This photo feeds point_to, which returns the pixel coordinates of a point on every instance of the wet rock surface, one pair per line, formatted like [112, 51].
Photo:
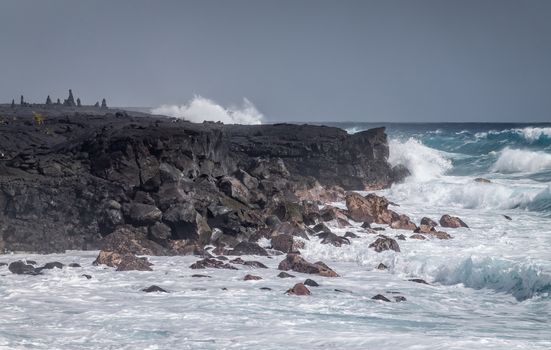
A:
[21, 268]
[451, 221]
[298, 264]
[299, 289]
[154, 289]
[123, 262]
[383, 243]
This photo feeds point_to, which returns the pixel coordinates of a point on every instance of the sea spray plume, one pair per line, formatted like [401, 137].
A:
[521, 161]
[423, 162]
[201, 109]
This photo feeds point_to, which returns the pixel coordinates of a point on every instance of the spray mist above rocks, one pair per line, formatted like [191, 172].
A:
[200, 109]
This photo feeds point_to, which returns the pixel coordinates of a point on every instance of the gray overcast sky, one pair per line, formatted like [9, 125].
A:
[408, 60]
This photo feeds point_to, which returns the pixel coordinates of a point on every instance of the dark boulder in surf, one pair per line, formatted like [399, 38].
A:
[383, 243]
[299, 289]
[452, 221]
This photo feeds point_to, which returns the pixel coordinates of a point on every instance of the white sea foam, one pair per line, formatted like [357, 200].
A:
[200, 109]
[423, 162]
[521, 161]
[530, 134]
[354, 129]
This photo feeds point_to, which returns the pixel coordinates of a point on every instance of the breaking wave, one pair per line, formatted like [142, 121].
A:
[423, 162]
[201, 109]
[522, 280]
[521, 161]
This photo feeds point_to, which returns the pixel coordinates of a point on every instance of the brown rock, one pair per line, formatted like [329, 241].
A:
[299, 289]
[451, 221]
[403, 223]
[286, 244]
[297, 263]
[482, 180]
[439, 234]
[211, 263]
[130, 240]
[369, 208]
[333, 239]
[428, 222]
[123, 262]
[417, 236]
[385, 243]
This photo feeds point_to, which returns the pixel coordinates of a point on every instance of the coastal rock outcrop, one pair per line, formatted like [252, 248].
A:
[152, 185]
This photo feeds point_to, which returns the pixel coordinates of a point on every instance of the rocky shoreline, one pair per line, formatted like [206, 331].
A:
[133, 186]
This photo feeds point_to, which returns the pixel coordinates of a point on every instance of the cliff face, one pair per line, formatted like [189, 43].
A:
[67, 182]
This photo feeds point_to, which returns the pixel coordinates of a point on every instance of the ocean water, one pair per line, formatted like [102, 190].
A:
[490, 286]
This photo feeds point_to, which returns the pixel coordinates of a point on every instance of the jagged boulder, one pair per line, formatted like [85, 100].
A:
[298, 264]
[451, 221]
[371, 208]
[235, 189]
